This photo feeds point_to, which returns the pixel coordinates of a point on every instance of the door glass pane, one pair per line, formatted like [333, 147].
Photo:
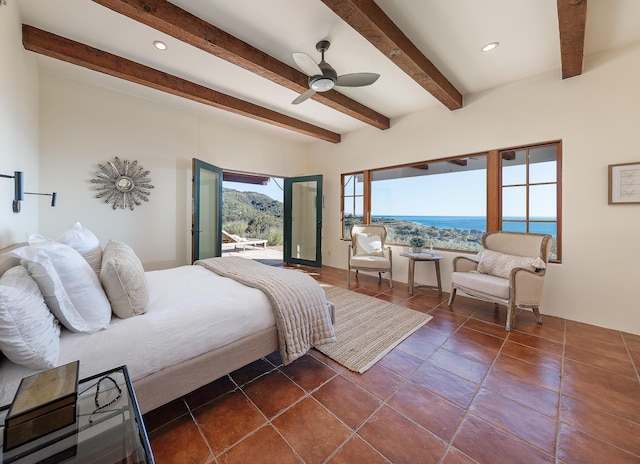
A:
[208, 213]
[514, 202]
[303, 220]
[514, 167]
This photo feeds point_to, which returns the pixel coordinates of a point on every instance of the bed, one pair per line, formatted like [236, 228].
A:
[196, 327]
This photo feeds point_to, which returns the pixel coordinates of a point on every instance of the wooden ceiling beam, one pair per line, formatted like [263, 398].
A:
[372, 23]
[48, 44]
[182, 25]
[572, 19]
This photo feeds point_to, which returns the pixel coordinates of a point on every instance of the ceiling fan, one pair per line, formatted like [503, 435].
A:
[323, 77]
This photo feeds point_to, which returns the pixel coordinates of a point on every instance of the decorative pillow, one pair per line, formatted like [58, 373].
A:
[69, 285]
[368, 245]
[84, 242]
[29, 334]
[500, 264]
[124, 280]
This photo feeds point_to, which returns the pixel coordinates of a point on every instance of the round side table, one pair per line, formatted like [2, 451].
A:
[413, 257]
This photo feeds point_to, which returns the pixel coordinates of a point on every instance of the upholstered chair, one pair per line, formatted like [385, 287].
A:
[509, 271]
[367, 251]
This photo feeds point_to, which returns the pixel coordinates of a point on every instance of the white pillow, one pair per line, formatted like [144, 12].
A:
[124, 280]
[501, 264]
[29, 334]
[69, 285]
[84, 242]
[368, 245]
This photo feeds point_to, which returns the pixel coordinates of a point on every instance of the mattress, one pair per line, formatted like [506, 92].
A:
[191, 311]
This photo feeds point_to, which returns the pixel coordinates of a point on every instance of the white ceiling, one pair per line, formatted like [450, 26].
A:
[449, 32]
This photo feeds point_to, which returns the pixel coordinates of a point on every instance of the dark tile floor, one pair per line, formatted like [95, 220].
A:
[459, 390]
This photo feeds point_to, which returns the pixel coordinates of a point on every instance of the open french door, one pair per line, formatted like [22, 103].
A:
[206, 228]
[303, 220]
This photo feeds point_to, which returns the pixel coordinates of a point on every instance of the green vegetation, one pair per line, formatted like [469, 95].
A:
[252, 215]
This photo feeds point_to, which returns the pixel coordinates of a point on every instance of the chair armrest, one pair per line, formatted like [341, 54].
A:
[526, 285]
[464, 264]
[387, 251]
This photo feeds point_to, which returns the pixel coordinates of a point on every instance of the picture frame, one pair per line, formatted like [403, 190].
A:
[624, 183]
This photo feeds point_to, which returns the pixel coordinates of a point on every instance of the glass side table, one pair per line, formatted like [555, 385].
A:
[108, 429]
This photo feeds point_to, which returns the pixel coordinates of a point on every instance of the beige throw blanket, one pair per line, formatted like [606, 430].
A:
[298, 302]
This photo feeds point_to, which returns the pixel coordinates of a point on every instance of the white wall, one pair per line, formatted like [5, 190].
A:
[84, 125]
[596, 115]
[18, 127]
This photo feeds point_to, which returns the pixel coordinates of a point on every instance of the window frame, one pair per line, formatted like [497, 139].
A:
[493, 185]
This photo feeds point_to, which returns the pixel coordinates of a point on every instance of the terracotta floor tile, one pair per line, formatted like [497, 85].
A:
[472, 371]
[165, 413]
[632, 341]
[511, 416]
[311, 430]
[575, 446]
[455, 456]
[378, 380]
[488, 444]
[541, 331]
[418, 346]
[452, 387]
[459, 344]
[274, 392]
[486, 327]
[490, 315]
[452, 318]
[598, 422]
[327, 361]
[593, 332]
[431, 411]
[532, 355]
[265, 446]
[352, 404]
[356, 450]
[538, 343]
[617, 393]
[542, 375]
[179, 441]
[537, 398]
[227, 419]
[603, 362]
[480, 338]
[251, 371]
[275, 358]
[308, 372]
[410, 444]
[401, 363]
[209, 392]
[465, 306]
[615, 349]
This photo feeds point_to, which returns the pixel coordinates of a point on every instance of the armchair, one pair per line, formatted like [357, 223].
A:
[509, 270]
[367, 251]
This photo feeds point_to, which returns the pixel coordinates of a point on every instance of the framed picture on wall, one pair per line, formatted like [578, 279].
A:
[624, 183]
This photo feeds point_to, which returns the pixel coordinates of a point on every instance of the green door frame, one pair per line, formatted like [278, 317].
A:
[288, 223]
[197, 166]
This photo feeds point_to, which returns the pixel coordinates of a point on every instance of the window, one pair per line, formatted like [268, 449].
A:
[452, 202]
[530, 191]
[352, 201]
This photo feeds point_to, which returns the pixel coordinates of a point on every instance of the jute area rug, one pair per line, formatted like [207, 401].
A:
[367, 328]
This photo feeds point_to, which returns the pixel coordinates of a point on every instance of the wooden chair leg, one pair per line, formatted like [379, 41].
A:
[536, 313]
[511, 316]
[390, 280]
[452, 295]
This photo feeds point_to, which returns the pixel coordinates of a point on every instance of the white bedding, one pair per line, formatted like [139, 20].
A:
[191, 311]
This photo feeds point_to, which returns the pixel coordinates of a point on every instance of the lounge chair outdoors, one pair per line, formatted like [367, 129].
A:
[241, 242]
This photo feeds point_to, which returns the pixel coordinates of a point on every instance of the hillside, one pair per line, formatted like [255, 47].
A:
[252, 214]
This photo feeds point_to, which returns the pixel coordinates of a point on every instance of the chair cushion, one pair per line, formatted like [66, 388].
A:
[368, 245]
[501, 264]
[370, 262]
[485, 283]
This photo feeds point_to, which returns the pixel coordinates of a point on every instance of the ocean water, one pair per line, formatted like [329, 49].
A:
[476, 223]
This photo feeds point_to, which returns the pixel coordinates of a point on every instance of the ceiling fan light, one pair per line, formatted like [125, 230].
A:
[490, 46]
[322, 84]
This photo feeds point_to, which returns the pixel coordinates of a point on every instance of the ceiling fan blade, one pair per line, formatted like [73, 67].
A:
[357, 79]
[303, 96]
[306, 64]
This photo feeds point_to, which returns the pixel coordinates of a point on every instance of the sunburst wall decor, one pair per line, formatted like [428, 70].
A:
[124, 184]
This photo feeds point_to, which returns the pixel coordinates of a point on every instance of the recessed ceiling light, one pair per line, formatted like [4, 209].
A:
[490, 46]
[160, 45]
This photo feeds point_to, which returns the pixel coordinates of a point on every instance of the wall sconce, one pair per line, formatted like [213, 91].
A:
[52, 195]
[18, 194]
